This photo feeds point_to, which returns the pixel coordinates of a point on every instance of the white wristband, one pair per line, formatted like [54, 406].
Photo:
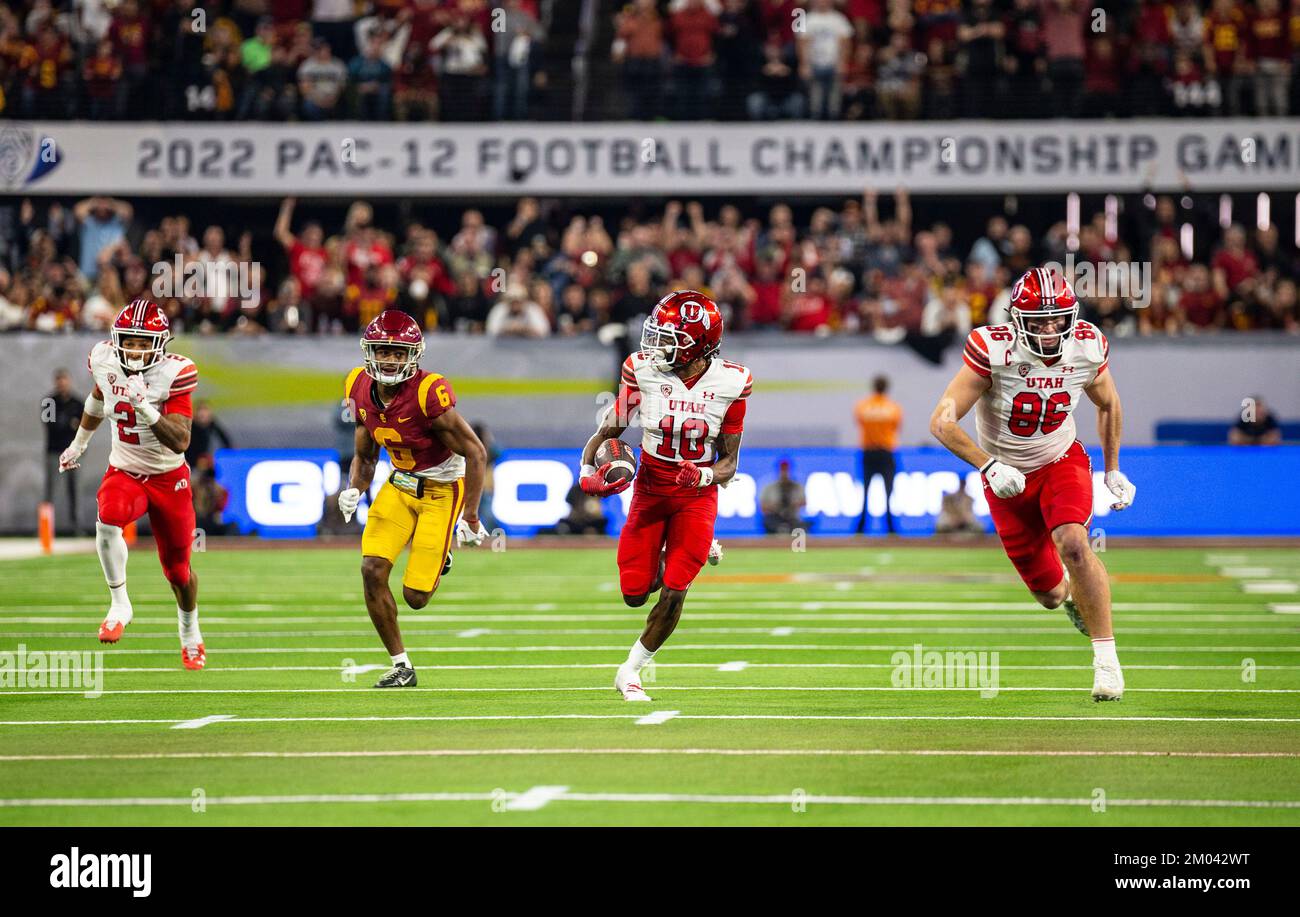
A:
[706, 477]
[587, 471]
[82, 439]
[148, 413]
[94, 406]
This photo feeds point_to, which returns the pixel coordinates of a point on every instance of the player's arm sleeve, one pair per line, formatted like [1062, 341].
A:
[436, 395]
[628, 379]
[178, 398]
[1104, 346]
[734, 420]
[745, 390]
[976, 354]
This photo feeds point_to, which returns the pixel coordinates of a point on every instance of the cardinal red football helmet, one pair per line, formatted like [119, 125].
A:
[1043, 307]
[141, 319]
[683, 327]
[392, 329]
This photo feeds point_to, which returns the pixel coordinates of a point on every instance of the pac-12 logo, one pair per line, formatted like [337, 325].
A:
[1023, 369]
[25, 156]
[666, 389]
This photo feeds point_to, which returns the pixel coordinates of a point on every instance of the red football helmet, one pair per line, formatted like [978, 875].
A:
[392, 329]
[141, 319]
[1043, 307]
[682, 328]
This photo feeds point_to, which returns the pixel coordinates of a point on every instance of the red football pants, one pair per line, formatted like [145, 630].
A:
[683, 523]
[124, 497]
[1054, 495]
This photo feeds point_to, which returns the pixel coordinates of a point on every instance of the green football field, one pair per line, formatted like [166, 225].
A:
[788, 696]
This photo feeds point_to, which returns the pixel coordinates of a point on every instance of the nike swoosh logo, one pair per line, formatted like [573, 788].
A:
[403, 419]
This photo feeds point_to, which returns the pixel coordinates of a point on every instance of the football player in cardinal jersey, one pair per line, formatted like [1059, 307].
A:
[1027, 378]
[434, 488]
[145, 393]
[692, 411]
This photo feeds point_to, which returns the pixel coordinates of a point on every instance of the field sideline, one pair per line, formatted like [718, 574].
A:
[779, 701]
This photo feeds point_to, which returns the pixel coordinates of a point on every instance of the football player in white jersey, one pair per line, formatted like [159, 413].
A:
[692, 412]
[145, 392]
[1027, 378]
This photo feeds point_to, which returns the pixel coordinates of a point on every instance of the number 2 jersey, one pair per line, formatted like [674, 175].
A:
[681, 422]
[1026, 418]
[169, 382]
[402, 425]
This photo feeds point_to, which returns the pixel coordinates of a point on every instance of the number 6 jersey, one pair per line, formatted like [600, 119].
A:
[1026, 419]
[680, 421]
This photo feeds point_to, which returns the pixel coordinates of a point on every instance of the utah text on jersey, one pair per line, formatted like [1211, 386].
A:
[1026, 417]
[169, 379]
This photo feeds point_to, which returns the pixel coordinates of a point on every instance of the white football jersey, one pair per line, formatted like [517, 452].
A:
[680, 422]
[1026, 418]
[135, 447]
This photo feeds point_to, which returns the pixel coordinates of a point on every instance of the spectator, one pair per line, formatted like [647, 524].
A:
[205, 431]
[898, 79]
[516, 316]
[1256, 426]
[333, 21]
[879, 418]
[210, 500]
[461, 54]
[1025, 60]
[307, 254]
[102, 77]
[981, 34]
[321, 80]
[1225, 52]
[520, 32]
[1063, 27]
[61, 414]
[824, 49]
[639, 48]
[693, 31]
[104, 221]
[957, 515]
[1270, 59]
[781, 502]
[372, 82]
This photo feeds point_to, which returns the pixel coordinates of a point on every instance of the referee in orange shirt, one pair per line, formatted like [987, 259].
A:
[879, 418]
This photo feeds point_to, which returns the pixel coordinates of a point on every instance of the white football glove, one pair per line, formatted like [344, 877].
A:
[137, 392]
[348, 500]
[70, 457]
[1123, 489]
[471, 533]
[1004, 480]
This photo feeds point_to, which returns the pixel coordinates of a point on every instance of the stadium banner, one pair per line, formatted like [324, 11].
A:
[635, 159]
[289, 493]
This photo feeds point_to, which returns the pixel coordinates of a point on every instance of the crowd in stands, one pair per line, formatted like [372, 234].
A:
[861, 268]
[470, 60]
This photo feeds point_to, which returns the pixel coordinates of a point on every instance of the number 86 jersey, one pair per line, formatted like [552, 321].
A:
[682, 420]
[1026, 419]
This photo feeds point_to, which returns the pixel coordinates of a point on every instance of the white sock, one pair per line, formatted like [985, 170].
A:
[402, 659]
[637, 657]
[188, 625]
[1103, 651]
[112, 558]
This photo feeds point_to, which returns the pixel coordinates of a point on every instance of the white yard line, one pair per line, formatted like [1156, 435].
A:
[1270, 587]
[1129, 648]
[241, 720]
[512, 689]
[559, 794]
[535, 798]
[204, 721]
[657, 718]
[655, 752]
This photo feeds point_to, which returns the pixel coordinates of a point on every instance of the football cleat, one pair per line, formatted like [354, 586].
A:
[110, 631]
[715, 553]
[194, 658]
[399, 676]
[626, 683]
[1072, 612]
[1107, 682]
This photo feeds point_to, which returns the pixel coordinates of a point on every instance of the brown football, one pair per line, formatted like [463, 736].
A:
[620, 458]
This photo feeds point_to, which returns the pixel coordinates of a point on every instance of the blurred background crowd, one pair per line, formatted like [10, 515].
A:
[880, 265]
[478, 60]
